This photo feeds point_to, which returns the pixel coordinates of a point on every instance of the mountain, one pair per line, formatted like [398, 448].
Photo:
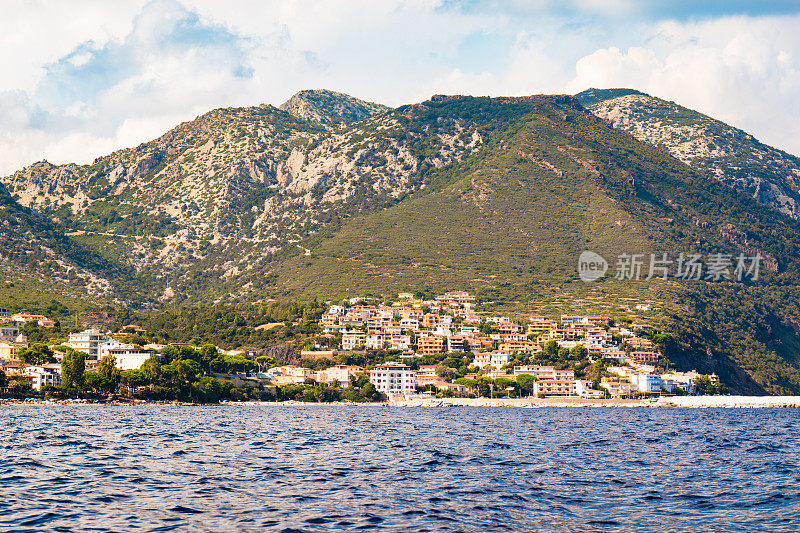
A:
[229, 192]
[330, 108]
[733, 156]
[32, 245]
[498, 196]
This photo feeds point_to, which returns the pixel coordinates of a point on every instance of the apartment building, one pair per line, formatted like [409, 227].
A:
[642, 357]
[393, 378]
[41, 375]
[8, 333]
[88, 342]
[128, 356]
[353, 340]
[554, 387]
[430, 345]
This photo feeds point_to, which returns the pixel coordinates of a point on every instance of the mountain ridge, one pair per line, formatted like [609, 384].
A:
[733, 156]
[495, 195]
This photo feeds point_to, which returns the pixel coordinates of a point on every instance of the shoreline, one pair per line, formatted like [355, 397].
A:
[692, 402]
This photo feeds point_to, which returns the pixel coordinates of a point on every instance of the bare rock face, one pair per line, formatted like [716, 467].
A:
[732, 156]
[228, 190]
[330, 108]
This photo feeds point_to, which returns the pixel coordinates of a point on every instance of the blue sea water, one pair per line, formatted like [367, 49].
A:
[322, 468]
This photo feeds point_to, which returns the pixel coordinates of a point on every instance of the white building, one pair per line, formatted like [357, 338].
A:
[563, 375]
[584, 389]
[393, 378]
[337, 310]
[376, 341]
[42, 375]
[88, 342]
[455, 344]
[545, 372]
[400, 342]
[500, 359]
[613, 353]
[647, 382]
[8, 333]
[128, 356]
[409, 324]
[678, 380]
[442, 331]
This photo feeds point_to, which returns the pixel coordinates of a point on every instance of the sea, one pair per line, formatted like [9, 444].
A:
[338, 468]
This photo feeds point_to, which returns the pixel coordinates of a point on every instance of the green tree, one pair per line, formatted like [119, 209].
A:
[108, 369]
[445, 372]
[469, 383]
[264, 362]
[36, 354]
[579, 352]
[704, 386]
[134, 378]
[182, 372]
[152, 369]
[211, 389]
[73, 366]
[551, 349]
[525, 382]
[95, 381]
[369, 392]
[208, 352]
[238, 363]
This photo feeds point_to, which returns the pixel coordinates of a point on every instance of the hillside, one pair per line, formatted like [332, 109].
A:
[510, 222]
[32, 247]
[733, 156]
[495, 195]
[232, 190]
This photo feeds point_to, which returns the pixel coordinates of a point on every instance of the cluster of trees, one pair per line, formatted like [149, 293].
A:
[231, 326]
[185, 374]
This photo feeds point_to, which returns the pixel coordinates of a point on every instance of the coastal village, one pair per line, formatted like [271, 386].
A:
[439, 347]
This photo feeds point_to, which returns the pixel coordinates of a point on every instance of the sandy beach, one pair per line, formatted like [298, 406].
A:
[667, 401]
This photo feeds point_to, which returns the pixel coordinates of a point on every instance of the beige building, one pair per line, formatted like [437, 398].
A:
[8, 350]
[554, 387]
[284, 375]
[430, 345]
[644, 357]
[340, 373]
[88, 342]
[353, 340]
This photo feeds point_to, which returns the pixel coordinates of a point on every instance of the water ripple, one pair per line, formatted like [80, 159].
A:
[397, 469]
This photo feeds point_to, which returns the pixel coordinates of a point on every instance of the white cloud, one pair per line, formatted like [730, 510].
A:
[123, 73]
[742, 70]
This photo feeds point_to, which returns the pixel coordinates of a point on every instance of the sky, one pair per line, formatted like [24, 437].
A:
[85, 77]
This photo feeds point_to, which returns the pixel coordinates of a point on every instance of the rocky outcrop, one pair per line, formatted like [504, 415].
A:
[330, 108]
[730, 155]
